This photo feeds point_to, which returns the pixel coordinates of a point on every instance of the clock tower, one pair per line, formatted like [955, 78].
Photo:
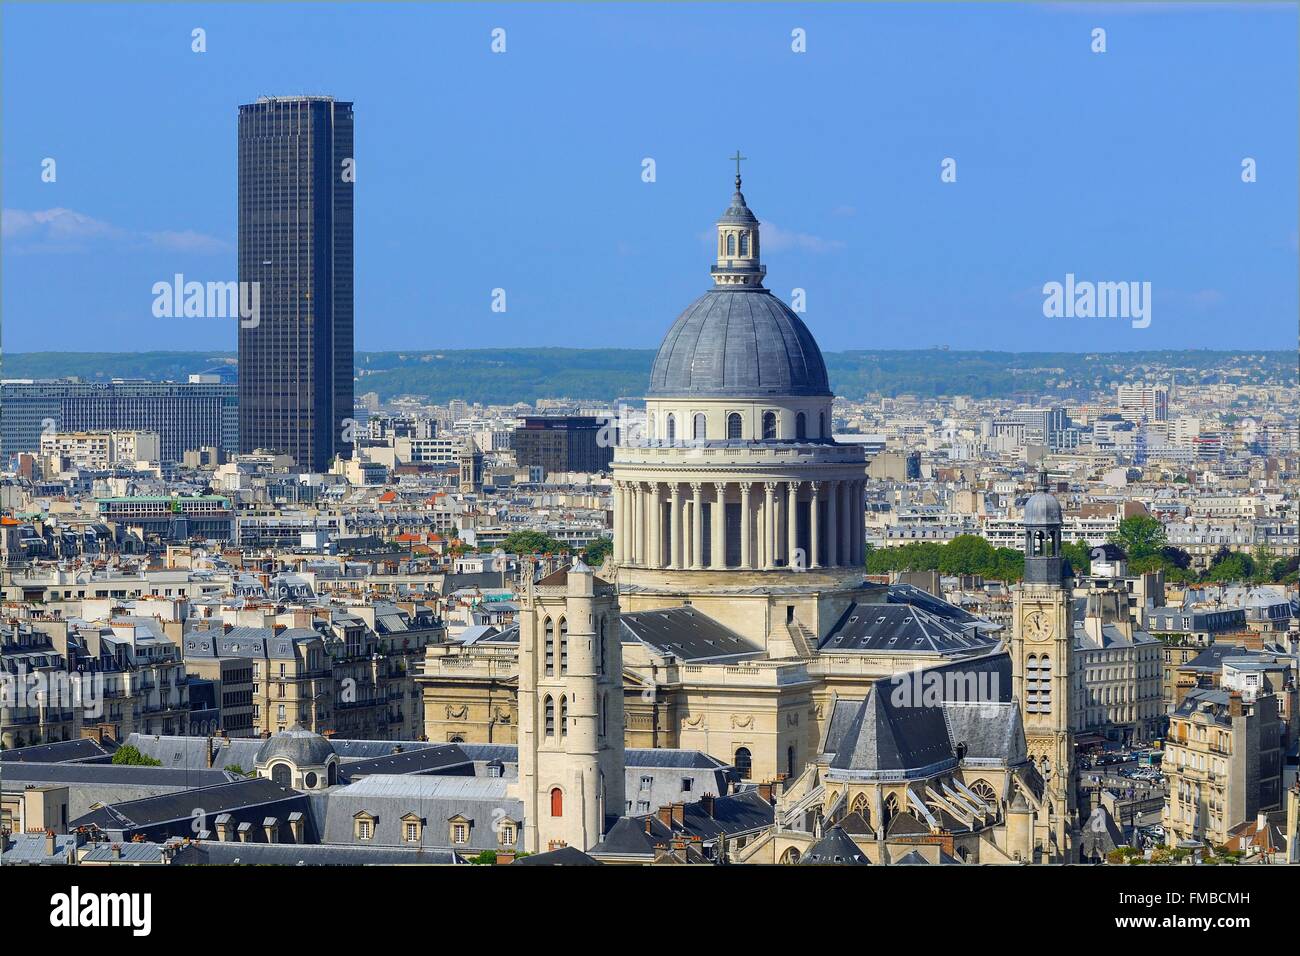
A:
[1042, 663]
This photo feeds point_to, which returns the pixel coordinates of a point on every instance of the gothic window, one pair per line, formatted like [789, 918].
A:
[744, 762]
[550, 647]
[891, 809]
[697, 426]
[801, 426]
[564, 716]
[672, 427]
[564, 646]
[1045, 685]
[733, 425]
[744, 243]
[550, 717]
[769, 426]
[983, 790]
[731, 244]
[557, 802]
[860, 806]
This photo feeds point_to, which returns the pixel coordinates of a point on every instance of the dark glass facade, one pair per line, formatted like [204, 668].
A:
[295, 241]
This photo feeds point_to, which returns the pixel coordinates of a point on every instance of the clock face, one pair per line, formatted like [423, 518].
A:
[1038, 626]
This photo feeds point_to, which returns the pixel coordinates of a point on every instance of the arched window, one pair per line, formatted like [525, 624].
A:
[744, 243]
[332, 774]
[769, 426]
[789, 761]
[860, 806]
[557, 802]
[671, 427]
[733, 425]
[821, 425]
[984, 790]
[890, 809]
[744, 762]
[550, 717]
[801, 426]
[282, 775]
[564, 646]
[549, 628]
[603, 648]
[564, 716]
[731, 244]
[697, 425]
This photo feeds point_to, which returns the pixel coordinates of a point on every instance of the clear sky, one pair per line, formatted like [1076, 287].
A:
[522, 170]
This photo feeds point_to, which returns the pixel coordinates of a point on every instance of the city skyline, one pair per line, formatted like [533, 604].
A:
[855, 214]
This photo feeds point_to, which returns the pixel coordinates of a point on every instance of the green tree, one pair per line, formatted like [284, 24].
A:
[966, 554]
[1235, 567]
[1079, 555]
[1008, 565]
[1139, 536]
[532, 542]
[130, 755]
[596, 552]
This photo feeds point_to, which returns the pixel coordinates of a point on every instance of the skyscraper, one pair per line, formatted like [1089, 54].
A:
[295, 242]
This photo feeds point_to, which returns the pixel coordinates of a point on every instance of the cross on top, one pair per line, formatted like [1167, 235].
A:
[738, 158]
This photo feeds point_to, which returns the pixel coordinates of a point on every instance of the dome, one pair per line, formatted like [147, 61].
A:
[1042, 509]
[298, 745]
[739, 343]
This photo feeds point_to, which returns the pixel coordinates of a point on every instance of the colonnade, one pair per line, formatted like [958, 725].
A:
[754, 525]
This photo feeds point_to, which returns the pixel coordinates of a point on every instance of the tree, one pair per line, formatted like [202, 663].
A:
[966, 554]
[1139, 536]
[130, 755]
[596, 552]
[1079, 555]
[532, 542]
[1235, 567]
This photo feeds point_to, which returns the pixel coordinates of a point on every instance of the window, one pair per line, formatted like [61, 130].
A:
[564, 716]
[281, 775]
[731, 244]
[412, 828]
[557, 802]
[769, 426]
[564, 646]
[647, 782]
[744, 243]
[744, 762]
[733, 425]
[550, 647]
[507, 833]
[687, 784]
[460, 833]
[603, 648]
[801, 426]
[364, 826]
[698, 426]
[671, 427]
[550, 717]
[604, 709]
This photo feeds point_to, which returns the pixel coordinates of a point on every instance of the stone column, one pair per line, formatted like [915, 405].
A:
[769, 525]
[675, 527]
[718, 520]
[814, 535]
[833, 523]
[746, 528]
[846, 525]
[697, 525]
[792, 524]
[855, 515]
[654, 528]
[638, 524]
[619, 538]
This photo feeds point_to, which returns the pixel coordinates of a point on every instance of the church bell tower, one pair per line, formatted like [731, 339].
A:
[1042, 661]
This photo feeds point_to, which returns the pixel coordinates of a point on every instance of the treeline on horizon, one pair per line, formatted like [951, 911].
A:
[504, 376]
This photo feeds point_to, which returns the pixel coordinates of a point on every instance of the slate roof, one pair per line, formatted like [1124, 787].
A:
[192, 751]
[66, 751]
[564, 856]
[246, 800]
[73, 774]
[438, 759]
[1100, 835]
[300, 746]
[322, 854]
[687, 634]
[29, 848]
[902, 628]
[835, 848]
[929, 720]
[738, 343]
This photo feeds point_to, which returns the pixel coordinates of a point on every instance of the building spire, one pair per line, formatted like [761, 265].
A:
[738, 265]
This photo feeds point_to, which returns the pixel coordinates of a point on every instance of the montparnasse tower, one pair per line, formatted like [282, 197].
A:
[737, 499]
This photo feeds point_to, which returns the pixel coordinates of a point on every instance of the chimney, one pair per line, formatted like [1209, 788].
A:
[211, 753]
[1234, 705]
[666, 816]
[706, 803]
[116, 851]
[505, 857]
[649, 824]
[765, 791]
[679, 814]
[50, 842]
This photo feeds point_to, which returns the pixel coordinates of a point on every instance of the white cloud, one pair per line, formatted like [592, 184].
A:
[66, 230]
[776, 239]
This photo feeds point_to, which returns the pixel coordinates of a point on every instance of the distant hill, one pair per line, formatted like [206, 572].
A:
[501, 376]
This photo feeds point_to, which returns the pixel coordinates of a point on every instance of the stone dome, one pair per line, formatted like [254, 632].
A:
[1041, 509]
[298, 745]
[738, 343]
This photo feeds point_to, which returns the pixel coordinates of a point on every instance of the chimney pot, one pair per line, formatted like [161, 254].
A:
[679, 814]
[666, 816]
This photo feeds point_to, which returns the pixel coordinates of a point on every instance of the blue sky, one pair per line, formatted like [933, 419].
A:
[523, 170]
